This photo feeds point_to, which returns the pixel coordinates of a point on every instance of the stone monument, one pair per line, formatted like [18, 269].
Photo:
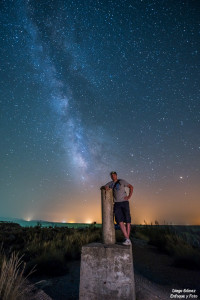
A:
[107, 268]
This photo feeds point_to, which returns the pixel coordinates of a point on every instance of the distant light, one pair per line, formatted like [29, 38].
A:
[88, 221]
[181, 177]
[63, 221]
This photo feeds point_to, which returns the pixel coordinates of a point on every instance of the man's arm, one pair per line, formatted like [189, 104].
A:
[130, 192]
[105, 187]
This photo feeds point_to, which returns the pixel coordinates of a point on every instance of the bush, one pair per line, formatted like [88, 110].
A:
[49, 248]
[51, 264]
[168, 241]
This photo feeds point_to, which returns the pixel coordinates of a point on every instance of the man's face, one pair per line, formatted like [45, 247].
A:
[114, 176]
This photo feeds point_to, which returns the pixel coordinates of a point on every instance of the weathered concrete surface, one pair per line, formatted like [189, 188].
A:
[108, 230]
[106, 272]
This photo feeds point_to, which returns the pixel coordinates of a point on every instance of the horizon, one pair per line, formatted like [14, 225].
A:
[153, 223]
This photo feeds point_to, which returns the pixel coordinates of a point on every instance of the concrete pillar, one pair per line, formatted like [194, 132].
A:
[106, 272]
[108, 230]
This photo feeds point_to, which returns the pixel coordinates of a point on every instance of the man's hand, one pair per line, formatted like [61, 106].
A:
[130, 192]
[104, 187]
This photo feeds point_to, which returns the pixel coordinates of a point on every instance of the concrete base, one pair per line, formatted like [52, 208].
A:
[106, 272]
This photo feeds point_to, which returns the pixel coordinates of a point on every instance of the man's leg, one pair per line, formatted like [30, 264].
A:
[119, 217]
[128, 229]
[123, 229]
[127, 217]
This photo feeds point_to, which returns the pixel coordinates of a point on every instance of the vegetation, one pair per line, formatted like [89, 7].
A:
[50, 249]
[170, 240]
[13, 284]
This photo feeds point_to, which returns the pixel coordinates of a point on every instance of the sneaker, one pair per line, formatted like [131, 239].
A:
[127, 242]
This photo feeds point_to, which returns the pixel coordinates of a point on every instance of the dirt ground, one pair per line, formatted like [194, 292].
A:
[155, 277]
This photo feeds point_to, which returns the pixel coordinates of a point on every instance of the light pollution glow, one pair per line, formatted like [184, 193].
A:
[142, 208]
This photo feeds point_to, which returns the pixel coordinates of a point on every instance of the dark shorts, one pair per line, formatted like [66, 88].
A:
[122, 212]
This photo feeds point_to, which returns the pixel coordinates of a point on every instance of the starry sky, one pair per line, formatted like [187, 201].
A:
[92, 86]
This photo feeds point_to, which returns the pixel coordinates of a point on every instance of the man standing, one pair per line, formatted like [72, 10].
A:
[121, 204]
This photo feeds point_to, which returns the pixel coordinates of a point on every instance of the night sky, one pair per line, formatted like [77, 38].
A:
[89, 87]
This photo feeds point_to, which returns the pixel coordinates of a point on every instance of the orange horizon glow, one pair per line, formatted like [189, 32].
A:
[167, 208]
[140, 222]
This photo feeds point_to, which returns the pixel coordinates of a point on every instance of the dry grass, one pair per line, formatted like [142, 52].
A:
[13, 283]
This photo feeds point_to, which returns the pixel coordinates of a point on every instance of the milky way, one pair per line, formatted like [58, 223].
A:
[94, 86]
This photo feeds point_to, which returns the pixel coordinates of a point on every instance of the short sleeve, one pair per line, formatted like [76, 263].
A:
[124, 182]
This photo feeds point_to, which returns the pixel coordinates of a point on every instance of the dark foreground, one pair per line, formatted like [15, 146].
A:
[155, 277]
[166, 258]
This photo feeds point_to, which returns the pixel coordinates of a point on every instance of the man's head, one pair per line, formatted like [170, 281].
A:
[113, 175]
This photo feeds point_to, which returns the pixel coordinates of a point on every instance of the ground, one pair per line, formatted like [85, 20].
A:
[155, 277]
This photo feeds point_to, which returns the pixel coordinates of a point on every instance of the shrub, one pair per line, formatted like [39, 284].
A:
[168, 241]
[49, 248]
